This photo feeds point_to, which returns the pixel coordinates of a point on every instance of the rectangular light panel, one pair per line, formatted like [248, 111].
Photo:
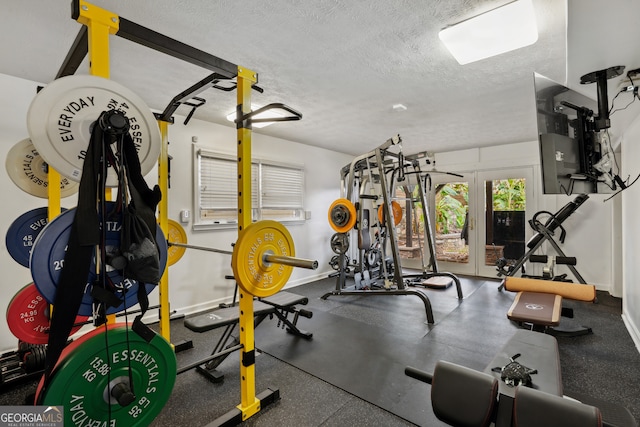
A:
[500, 30]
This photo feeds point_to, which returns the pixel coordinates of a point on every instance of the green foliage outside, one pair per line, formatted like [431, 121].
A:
[450, 209]
[452, 200]
[509, 195]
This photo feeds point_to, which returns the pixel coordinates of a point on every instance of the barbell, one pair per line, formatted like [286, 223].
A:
[262, 259]
[268, 257]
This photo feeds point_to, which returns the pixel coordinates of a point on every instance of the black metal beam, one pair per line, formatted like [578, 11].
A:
[154, 40]
[76, 54]
[146, 37]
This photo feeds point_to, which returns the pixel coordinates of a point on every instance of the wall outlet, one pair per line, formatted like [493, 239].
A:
[185, 216]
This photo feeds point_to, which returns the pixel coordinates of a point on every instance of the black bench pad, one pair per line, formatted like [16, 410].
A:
[227, 316]
[537, 351]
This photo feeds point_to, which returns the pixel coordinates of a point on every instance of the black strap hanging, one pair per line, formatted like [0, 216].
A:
[84, 236]
[85, 231]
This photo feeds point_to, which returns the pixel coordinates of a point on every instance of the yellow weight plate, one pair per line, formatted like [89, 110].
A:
[395, 208]
[342, 215]
[175, 234]
[253, 273]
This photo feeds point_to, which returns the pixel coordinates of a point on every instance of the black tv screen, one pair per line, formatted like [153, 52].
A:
[567, 148]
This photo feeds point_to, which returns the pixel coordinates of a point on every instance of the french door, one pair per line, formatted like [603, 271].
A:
[479, 218]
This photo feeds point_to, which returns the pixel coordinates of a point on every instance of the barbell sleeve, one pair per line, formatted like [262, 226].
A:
[291, 261]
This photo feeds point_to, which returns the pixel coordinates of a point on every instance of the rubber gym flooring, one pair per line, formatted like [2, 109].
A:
[352, 371]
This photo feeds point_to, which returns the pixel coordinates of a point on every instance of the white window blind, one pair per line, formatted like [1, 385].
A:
[218, 183]
[282, 187]
[277, 190]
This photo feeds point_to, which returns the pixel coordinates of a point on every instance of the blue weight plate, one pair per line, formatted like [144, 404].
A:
[22, 233]
[47, 261]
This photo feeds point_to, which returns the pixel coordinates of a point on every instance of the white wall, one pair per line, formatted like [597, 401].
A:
[631, 233]
[197, 281]
[589, 229]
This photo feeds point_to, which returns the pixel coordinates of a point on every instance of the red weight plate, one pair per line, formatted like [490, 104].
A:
[28, 319]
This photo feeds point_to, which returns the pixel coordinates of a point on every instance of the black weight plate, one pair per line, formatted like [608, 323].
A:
[47, 261]
[339, 243]
[22, 233]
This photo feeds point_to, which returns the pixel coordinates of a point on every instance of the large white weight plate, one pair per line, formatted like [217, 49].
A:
[28, 170]
[62, 115]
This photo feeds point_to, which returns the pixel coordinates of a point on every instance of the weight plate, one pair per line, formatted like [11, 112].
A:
[61, 116]
[28, 170]
[395, 208]
[253, 274]
[339, 243]
[175, 234]
[22, 233]
[70, 348]
[28, 316]
[342, 215]
[47, 261]
[84, 381]
[372, 257]
[335, 262]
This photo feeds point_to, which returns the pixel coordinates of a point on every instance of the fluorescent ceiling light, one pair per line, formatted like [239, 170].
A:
[269, 114]
[500, 30]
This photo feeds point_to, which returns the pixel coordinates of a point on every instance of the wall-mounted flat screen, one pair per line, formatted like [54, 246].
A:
[567, 147]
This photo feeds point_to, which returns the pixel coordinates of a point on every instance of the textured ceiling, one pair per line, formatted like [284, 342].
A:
[342, 63]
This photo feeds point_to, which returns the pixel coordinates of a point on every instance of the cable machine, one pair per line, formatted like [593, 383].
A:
[430, 271]
[383, 167]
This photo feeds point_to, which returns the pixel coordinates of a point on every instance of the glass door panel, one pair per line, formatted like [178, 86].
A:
[452, 213]
[411, 229]
[507, 194]
[452, 222]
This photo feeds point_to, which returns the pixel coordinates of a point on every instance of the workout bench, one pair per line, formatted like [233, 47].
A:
[461, 396]
[538, 303]
[281, 305]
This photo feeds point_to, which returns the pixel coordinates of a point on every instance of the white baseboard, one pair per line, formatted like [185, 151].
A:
[633, 330]
[308, 279]
[152, 316]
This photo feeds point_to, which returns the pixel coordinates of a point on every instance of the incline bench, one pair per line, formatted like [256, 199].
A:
[539, 303]
[280, 305]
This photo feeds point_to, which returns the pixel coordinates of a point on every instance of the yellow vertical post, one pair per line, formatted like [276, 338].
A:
[53, 193]
[249, 403]
[53, 207]
[100, 25]
[163, 182]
